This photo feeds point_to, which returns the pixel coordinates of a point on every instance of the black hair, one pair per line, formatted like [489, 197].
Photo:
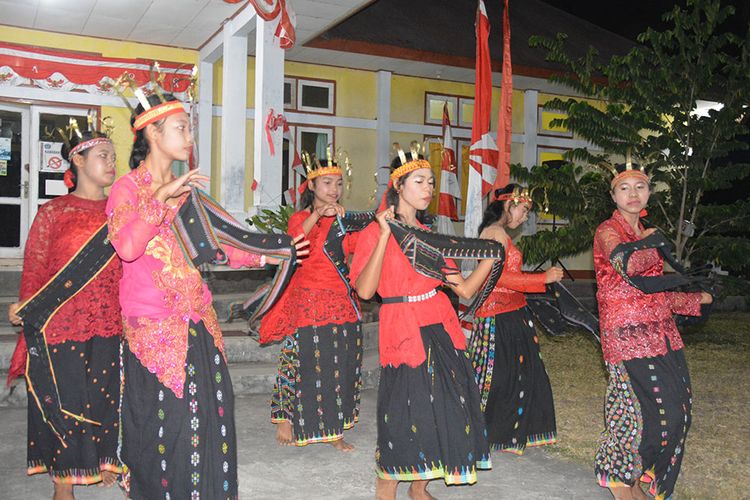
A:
[140, 146]
[496, 210]
[392, 196]
[75, 141]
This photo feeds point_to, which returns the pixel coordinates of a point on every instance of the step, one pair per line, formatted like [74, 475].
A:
[248, 377]
[10, 280]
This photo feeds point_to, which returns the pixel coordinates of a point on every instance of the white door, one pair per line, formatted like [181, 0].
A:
[48, 167]
[14, 179]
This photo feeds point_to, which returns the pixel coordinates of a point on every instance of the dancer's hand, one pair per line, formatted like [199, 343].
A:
[180, 185]
[706, 298]
[553, 275]
[300, 244]
[648, 232]
[330, 210]
[383, 218]
[12, 316]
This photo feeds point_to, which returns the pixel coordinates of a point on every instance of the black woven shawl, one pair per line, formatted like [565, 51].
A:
[333, 249]
[427, 252]
[558, 310]
[200, 226]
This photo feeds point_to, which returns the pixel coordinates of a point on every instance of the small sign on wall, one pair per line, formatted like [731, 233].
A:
[52, 160]
[5, 148]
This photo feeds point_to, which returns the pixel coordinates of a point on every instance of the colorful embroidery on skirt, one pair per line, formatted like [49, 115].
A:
[618, 461]
[483, 356]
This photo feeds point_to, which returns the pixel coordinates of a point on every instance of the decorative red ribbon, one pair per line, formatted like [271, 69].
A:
[68, 178]
[272, 124]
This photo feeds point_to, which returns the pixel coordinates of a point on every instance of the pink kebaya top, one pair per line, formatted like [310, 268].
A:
[160, 291]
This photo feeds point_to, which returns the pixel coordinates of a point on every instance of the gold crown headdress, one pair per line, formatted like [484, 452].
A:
[625, 170]
[408, 165]
[66, 134]
[151, 113]
[518, 195]
[332, 165]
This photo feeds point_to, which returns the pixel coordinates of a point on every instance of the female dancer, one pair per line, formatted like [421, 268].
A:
[517, 398]
[429, 422]
[316, 396]
[648, 405]
[178, 406]
[84, 335]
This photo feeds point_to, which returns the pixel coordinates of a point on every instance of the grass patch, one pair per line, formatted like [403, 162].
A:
[716, 462]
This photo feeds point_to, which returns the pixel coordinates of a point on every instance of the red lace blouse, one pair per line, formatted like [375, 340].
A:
[508, 294]
[400, 341]
[60, 229]
[316, 294]
[634, 324]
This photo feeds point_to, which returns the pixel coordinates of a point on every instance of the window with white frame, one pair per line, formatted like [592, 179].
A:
[460, 109]
[316, 96]
[290, 93]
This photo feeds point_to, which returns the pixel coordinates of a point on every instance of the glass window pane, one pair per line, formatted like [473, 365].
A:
[287, 93]
[10, 221]
[315, 97]
[10, 154]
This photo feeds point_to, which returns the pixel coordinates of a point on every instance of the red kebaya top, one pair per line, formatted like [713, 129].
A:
[61, 227]
[399, 336]
[316, 294]
[634, 324]
[508, 294]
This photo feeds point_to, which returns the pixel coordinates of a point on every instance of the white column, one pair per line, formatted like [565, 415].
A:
[205, 116]
[383, 132]
[233, 124]
[269, 95]
[530, 127]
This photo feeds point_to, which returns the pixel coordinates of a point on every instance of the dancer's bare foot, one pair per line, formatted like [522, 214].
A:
[108, 478]
[342, 445]
[385, 489]
[418, 491]
[63, 492]
[284, 433]
[622, 493]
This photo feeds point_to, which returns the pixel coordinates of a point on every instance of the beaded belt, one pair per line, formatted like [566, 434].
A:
[410, 298]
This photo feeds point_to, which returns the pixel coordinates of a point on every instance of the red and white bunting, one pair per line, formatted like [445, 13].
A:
[68, 71]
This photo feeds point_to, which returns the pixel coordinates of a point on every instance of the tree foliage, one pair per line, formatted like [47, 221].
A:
[643, 103]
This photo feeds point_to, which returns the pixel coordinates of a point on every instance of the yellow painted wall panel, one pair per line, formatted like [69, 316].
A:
[215, 156]
[361, 145]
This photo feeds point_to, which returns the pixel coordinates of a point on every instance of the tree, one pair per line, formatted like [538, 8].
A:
[644, 104]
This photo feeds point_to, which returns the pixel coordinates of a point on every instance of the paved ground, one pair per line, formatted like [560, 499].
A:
[269, 471]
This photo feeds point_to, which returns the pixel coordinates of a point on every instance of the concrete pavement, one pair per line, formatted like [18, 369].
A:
[269, 471]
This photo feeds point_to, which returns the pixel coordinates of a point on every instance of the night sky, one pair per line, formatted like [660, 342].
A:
[631, 17]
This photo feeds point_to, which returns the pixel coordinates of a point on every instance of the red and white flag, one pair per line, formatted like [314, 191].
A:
[505, 114]
[483, 155]
[449, 189]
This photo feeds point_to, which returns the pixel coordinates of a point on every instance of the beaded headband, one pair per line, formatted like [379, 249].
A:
[628, 173]
[80, 148]
[156, 113]
[518, 195]
[319, 172]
